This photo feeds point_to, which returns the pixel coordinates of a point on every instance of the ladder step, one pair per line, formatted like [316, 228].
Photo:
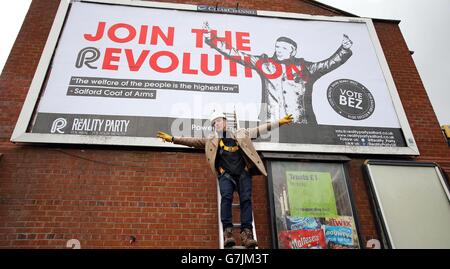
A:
[237, 247]
[236, 225]
[236, 205]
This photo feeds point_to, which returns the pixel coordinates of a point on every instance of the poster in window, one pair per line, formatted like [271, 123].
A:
[310, 194]
[312, 206]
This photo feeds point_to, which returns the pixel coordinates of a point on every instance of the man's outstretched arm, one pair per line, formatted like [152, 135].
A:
[267, 127]
[228, 51]
[187, 141]
[334, 61]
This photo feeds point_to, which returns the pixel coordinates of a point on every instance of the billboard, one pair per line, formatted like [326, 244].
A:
[116, 72]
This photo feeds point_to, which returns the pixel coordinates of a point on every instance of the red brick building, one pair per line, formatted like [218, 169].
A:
[102, 195]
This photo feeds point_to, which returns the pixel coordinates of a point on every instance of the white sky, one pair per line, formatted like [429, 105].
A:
[424, 26]
[12, 14]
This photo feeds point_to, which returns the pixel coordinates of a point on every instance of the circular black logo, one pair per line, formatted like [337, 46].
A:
[350, 99]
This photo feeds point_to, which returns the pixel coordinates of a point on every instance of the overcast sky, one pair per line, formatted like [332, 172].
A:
[12, 14]
[424, 25]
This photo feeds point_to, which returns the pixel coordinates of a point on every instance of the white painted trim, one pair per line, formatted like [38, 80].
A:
[155, 142]
[265, 146]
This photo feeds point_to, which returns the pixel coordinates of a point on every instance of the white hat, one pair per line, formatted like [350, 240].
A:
[215, 115]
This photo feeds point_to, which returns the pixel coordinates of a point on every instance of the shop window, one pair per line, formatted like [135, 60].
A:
[412, 202]
[311, 206]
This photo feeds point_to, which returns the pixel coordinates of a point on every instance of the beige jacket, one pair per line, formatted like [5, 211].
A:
[242, 136]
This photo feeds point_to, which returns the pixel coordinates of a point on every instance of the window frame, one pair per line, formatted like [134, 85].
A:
[380, 218]
[312, 158]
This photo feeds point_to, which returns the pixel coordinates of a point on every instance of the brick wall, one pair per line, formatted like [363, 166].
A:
[102, 195]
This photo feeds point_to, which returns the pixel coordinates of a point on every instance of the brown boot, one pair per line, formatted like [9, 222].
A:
[247, 239]
[228, 239]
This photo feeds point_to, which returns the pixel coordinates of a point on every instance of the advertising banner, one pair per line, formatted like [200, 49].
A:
[129, 71]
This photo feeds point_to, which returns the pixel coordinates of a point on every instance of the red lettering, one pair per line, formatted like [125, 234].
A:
[337, 222]
[233, 65]
[143, 34]
[278, 68]
[112, 33]
[109, 57]
[226, 39]
[136, 65]
[209, 66]
[248, 70]
[217, 65]
[241, 41]
[98, 34]
[187, 65]
[154, 61]
[156, 35]
[293, 67]
[199, 37]
[157, 32]
[304, 76]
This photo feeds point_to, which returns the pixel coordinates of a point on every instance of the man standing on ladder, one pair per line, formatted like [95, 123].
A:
[233, 158]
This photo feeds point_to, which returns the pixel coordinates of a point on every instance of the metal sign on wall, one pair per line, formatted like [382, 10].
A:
[116, 72]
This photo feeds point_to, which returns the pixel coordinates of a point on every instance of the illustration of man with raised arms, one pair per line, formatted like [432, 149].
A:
[287, 81]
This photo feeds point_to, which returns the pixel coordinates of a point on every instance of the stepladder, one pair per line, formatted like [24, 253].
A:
[236, 224]
[233, 124]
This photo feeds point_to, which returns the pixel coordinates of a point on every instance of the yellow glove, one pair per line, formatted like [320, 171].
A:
[286, 120]
[165, 137]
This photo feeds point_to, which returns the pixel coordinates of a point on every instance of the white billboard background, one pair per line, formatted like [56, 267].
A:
[317, 40]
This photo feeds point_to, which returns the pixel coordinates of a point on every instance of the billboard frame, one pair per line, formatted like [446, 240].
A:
[20, 133]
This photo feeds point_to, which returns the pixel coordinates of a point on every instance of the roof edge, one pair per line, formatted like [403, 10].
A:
[386, 20]
[345, 13]
[330, 8]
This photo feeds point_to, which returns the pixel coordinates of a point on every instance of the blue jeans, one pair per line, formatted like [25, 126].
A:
[243, 185]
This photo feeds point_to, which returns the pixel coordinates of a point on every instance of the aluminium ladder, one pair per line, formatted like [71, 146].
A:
[233, 124]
